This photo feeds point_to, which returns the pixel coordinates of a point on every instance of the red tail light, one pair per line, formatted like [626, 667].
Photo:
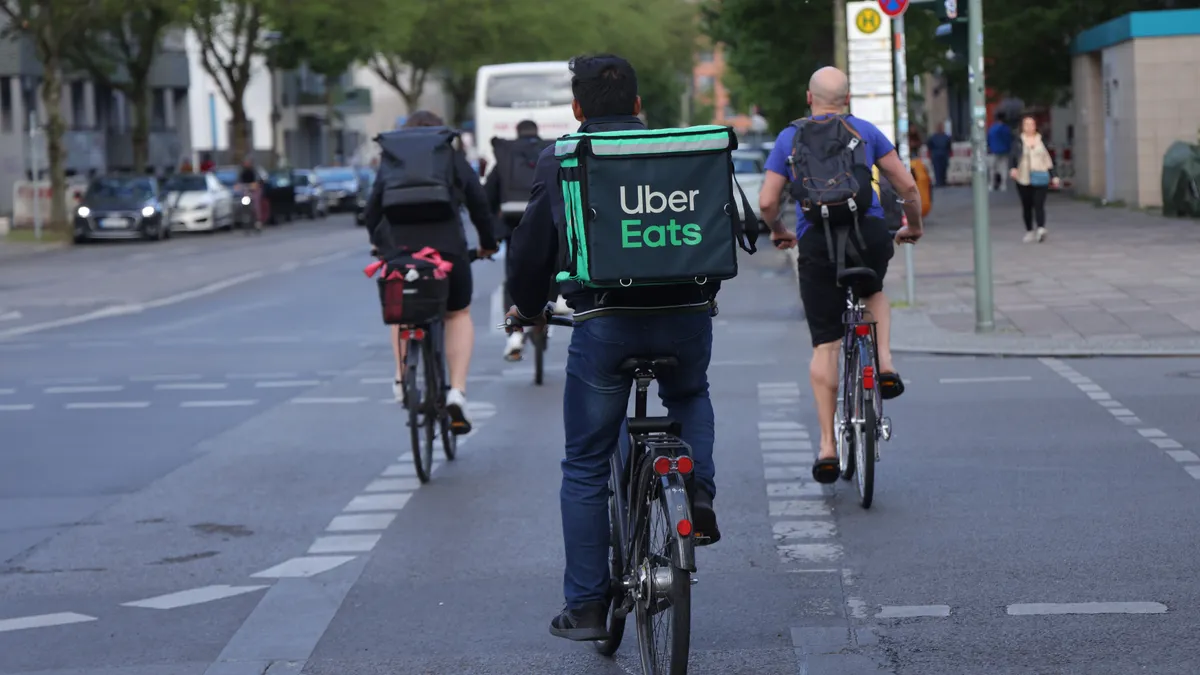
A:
[662, 466]
[412, 334]
[684, 528]
[862, 330]
[868, 377]
[684, 465]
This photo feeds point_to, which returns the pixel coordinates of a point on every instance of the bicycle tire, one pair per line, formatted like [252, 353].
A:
[449, 438]
[865, 439]
[432, 404]
[678, 597]
[616, 570]
[414, 399]
[539, 355]
[843, 412]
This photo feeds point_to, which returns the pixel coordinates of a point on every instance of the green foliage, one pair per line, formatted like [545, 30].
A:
[773, 47]
[327, 37]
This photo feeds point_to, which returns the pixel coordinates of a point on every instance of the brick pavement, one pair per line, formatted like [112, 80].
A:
[1106, 280]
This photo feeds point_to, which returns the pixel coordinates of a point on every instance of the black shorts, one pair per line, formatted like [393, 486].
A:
[825, 301]
[462, 285]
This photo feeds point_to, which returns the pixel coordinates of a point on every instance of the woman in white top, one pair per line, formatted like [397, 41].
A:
[1032, 169]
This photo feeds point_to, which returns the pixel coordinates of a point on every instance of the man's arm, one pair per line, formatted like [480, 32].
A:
[768, 199]
[533, 248]
[905, 186]
[476, 201]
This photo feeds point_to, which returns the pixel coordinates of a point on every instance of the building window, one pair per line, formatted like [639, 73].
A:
[6, 105]
[705, 84]
[705, 56]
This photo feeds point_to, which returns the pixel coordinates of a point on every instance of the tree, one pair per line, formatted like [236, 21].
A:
[773, 46]
[230, 36]
[119, 52]
[51, 25]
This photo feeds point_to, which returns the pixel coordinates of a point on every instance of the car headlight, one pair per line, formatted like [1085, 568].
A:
[147, 211]
[84, 212]
[245, 201]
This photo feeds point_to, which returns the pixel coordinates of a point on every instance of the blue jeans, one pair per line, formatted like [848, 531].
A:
[595, 401]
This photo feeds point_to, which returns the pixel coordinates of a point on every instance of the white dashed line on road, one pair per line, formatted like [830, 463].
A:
[97, 389]
[281, 384]
[344, 543]
[983, 380]
[234, 403]
[43, 621]
[302, 567]
[15, 407]
[361, 522]
[192, 386]
[105, 405]
[393, 485]
[194, 596]
[1044, 608]
[6, 392]
[1183, 456]
[165, 378]
[1152, 433]
[379, 502]
[912, 611]
[329, 400]
[261, 376]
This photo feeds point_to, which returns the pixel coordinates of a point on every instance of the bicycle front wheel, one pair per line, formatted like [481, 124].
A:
[663, 611]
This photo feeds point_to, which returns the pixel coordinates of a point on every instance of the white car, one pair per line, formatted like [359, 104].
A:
[748, 171]
[198, 202]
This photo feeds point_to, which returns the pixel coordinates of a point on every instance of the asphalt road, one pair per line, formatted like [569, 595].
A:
[216, 485]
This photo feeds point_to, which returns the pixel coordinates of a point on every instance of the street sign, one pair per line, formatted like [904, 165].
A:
[867, 20]
[895, 8]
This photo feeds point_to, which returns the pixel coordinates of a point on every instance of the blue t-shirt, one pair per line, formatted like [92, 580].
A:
[999, 139]
[877, 145]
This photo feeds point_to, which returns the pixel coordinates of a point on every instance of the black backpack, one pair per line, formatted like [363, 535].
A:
[416, 170]
[831, 180]
[516, 160]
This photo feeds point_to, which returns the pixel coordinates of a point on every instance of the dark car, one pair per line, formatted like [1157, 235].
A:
[366, 179]
[122, 207]
[310, 196]
[341, 184]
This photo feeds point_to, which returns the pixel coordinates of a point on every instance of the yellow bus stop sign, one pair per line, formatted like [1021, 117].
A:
[868, 20]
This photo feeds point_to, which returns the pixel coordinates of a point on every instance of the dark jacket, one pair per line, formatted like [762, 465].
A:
[533, 256]
[447, 238]
[494, 187]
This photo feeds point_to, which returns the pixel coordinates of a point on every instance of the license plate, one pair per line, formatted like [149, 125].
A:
[112, 222]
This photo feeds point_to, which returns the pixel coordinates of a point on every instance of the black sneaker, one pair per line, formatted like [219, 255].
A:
[586, 623]
[704, 519]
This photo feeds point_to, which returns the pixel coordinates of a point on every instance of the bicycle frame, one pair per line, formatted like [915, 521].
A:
[860, 325]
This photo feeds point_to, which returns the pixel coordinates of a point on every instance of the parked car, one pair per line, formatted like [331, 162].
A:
[122, 207]
[310, 194]
[198, 202]
[366, 181]
[340, 184]
[749, 172]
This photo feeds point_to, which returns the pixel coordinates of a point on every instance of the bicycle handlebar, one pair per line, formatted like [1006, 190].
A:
[552, 319]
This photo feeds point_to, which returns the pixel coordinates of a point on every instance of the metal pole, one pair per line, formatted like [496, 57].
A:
[212, 122]
[841, 54]
[984, 315]
[33, 169]
[901, 72]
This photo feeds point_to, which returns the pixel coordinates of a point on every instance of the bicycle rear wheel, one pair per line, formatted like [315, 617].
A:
[663, 612]
[865, 438]
[415, 399]
[616, 570]
[432, 407]
[844, 439]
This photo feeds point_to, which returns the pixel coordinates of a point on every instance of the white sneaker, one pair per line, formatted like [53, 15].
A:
[398, 390]
[1030, 237]
[1041, 234]
[514, 346]
[456, 406]
[560, 306]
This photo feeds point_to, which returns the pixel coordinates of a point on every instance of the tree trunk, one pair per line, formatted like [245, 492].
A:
[840, 48]
[140, 134]
[460, 99]
[238, 144]
[55, 128]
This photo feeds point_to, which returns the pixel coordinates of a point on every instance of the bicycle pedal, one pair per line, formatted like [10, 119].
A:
[695, 580]
[885, 428]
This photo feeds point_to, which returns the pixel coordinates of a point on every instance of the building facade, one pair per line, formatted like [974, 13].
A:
[1137, 91]
[709, 91]
[98, 120]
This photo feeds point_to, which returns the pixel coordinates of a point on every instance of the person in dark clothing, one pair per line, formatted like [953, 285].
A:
[450, 241]
[250, 181]
[527, 131]
[939, 144]
[611, 325]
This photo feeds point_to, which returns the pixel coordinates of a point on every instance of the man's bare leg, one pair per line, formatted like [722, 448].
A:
[823, 375]
[881, 311]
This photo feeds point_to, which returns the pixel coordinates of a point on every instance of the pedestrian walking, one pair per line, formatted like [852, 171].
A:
[939, 144]
[1032, 169]
[999, 141]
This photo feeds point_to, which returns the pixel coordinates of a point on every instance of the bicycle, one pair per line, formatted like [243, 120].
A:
[651, 488]
[425, 391]
[858, 420]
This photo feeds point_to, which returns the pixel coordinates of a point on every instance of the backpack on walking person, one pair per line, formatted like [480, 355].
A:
[651, 207]
[416, 171]
[516, 160]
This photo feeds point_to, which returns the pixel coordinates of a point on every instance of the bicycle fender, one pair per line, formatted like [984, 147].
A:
[678, 506]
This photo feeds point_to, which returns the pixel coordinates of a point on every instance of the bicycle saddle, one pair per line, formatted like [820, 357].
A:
[653, 363]
[858, 274]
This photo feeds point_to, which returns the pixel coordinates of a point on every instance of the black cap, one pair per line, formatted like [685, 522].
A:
[591, 67]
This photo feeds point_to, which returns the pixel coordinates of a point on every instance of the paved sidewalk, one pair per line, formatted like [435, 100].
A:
[1106, 281]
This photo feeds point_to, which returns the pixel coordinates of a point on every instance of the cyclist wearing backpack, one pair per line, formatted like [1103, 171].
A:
[615, 323]
[423, 182]
[827, 159]
[508, 186]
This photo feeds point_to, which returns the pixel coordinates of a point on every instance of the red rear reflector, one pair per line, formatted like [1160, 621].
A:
[862, 330]
[662, 466]
[684, 464]
[684, 528]
[412, 334]
[868, 377]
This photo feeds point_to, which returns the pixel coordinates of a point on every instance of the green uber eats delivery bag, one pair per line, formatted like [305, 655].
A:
[651, 207]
